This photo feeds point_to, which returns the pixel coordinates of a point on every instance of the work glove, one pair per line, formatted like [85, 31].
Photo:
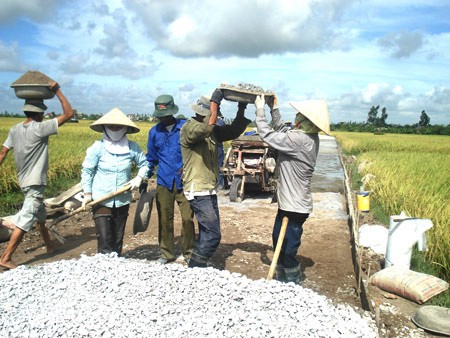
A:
[273, 103]
[217, 96]
[143, 187]
[86, 199]
[135, 182]
[259, 102]
[242, 105]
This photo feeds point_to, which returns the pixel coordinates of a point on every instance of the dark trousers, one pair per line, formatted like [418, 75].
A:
[206, 211]
[292, 239]
[110, 227]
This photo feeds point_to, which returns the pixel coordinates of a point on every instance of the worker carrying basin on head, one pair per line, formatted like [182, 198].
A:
[297, 154]
[29, 141]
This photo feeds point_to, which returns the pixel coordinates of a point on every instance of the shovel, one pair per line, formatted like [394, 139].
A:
[276, 254]
[143, 211]
[90, 204]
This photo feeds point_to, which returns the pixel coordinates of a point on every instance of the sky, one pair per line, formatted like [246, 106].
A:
[353, 54]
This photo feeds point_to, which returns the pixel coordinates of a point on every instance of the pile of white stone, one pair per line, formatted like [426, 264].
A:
[107, 296]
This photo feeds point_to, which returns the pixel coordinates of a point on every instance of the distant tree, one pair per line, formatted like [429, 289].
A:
[372, 115]
[373, 119]
[384, 116]
[424, 119]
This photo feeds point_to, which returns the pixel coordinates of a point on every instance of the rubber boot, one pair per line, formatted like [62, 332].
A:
[105, 238]
[293, 275]
[280, 274]
[198, 261]
[120, 223]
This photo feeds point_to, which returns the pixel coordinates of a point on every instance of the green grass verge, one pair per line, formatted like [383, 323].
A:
[418, 259]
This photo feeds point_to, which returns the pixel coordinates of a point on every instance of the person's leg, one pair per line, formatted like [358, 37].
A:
[14, 241]
[294, 231]
[207, 213]
[46, 237]
[118, 223]
[188, 227]
[280, 274]
[41, 217]
[165, 200]
[23, 222]
[103, 228]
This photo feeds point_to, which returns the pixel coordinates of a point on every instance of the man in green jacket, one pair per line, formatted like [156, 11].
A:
[199, 140]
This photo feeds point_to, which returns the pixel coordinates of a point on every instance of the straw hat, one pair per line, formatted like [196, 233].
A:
[35, 106]
[202, 106]
[165, 106]
[115, 117]
[316, 111]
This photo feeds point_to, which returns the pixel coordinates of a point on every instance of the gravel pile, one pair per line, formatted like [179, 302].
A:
[108, 296]
[32, 77]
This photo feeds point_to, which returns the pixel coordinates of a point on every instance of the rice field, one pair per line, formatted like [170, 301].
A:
[66, 151]
[411, 174]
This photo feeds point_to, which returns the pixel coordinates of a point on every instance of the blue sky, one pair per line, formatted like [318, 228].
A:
[354, 54]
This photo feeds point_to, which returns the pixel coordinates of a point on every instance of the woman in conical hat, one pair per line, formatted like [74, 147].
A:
[107, 168]
[297, 155]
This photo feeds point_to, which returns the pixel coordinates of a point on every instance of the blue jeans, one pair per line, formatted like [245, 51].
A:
[292, 239]
[206, 211]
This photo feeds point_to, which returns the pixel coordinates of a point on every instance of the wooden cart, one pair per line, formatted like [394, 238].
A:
[249, 164]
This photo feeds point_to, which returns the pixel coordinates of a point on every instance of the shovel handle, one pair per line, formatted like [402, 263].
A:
[276, 254]
[90, 204]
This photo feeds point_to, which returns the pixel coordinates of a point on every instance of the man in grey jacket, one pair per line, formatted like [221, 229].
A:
[297, 155]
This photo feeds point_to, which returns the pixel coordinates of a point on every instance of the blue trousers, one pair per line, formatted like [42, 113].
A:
[292, 239]
[206, 211]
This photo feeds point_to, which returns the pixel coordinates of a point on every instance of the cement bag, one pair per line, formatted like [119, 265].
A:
[416, 286]
[402, 236]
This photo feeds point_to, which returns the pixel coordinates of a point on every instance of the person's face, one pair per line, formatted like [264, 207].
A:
[199, 118]
[114, 127]
[167, 120]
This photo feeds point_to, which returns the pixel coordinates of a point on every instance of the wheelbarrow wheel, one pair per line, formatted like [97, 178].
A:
[235, 189]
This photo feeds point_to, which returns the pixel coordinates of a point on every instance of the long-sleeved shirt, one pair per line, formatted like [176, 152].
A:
[199, 143]
[297, 155]
[163, 150]
[103, 172]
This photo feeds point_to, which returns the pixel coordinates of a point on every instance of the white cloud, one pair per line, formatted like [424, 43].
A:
[38, 10]
[9, 56]
[125, 53]
[249, 29]
[402, 45]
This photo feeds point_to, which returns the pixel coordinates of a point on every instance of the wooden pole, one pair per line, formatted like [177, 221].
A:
[89, 205]
[276, 254]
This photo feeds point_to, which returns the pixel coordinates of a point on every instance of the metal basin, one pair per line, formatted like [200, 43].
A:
[242, 94]
[33, 91]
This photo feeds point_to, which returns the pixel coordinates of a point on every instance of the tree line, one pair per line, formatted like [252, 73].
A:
[376, 123]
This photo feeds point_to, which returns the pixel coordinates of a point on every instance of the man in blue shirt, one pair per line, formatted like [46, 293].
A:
[163, 151]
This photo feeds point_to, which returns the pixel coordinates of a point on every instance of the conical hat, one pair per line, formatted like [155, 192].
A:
[316, 111]
[115, 117]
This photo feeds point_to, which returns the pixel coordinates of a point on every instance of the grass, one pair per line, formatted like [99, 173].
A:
[410, 175]
[66, 154]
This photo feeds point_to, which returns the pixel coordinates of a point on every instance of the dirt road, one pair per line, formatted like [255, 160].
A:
[246, 248]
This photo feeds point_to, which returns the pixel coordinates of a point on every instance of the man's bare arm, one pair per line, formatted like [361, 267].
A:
[65, 104]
